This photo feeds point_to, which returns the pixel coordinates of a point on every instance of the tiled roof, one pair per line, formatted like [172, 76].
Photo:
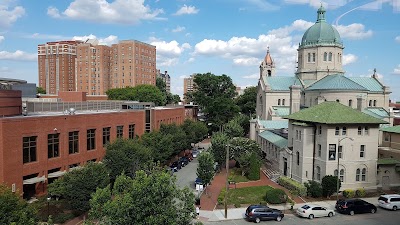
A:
[275, 139]
[282, 83]
[333, 113]
[281, 110]
[371, 84]
[387, 161]
[394, 129]
[335, 82]
[377, 112]
[274, 124]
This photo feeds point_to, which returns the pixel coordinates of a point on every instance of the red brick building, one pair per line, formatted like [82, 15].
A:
[56, 137]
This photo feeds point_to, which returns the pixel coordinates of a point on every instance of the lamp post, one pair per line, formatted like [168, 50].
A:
[48, 206]
[338, 160]
[227, 181]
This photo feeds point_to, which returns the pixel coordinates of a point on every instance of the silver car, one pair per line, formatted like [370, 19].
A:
[391, 202]
[311, 211]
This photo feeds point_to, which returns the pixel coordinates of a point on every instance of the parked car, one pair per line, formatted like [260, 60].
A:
[256, 213]
[353, 206]
[198, 181]
[311, 210]
[184, 161]
[175, 166]
[195, 153]
[391, 202]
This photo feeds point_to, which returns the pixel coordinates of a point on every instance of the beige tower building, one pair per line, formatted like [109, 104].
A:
[188, 84]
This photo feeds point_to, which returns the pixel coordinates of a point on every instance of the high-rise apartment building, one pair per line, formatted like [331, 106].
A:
[56, 65]
[188, 84]
[166, 78]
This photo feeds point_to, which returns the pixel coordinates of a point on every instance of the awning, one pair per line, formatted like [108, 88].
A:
[35, 180]
[75, 168]
[56, 174]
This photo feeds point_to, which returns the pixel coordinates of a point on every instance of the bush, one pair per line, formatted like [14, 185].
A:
[292, 185]
[329, 185]
[198, 223]
[314, 189]
[360, 192]
[276, 196]
[237, 205]
[254, 170]
[348, 193]
[221, 197]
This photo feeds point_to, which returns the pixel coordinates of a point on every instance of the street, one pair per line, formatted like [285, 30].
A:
[382, 217]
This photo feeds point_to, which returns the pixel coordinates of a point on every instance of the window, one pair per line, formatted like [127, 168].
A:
[91, 139]
[29, 149]
[313, 57]
[53, 142]
[358, 174]
[297, 134]
[362, 151]
[350, 103]
[344, 131]
[340, 152]
[359, 131]
[374, 102]
[366, 131]
[318, 173]
[325, 56]
[332, 152]
[337, 100]
[106, 135]
[298, 158]
[387, 137]
[319, 130]
[363, 174]
[300, 135]
[319, 150]
[283, 101]
[370, 103]
[120, 131]
[341, 177]
[309, 57]
[337, 131]
[73, 142]
[330, 57]
[131, 131]
[279, 102]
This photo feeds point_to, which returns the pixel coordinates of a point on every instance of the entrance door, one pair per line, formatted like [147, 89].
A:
[385, 183]
[284, 166]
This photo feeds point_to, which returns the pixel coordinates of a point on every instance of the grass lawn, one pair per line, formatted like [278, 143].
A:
[235, 174]
[248, 195]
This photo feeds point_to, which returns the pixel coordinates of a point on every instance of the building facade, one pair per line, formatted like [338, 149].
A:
[188, 84]
[166, 78]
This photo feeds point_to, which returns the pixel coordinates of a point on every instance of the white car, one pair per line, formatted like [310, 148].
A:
[195, 153]
[311, 211]
[391, 202]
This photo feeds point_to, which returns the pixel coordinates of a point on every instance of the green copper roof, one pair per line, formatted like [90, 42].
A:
[336, 82]
[333, 113]
[395, 129]
[377, 112]
[282, 83]
[275, 139]
[321, 33]
[281, 110]
[387, 161]
[274, 124]
[371, 84]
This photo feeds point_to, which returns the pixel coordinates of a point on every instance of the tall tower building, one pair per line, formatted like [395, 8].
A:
[166, 78]
[267, 67]
[56, 65]
[188, 84]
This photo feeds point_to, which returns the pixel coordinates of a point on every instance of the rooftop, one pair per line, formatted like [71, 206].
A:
[394, 129]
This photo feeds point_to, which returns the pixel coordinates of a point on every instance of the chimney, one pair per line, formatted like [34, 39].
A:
[361, 102]
[294, 98]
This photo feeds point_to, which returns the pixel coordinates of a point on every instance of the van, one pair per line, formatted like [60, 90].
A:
[391, 202]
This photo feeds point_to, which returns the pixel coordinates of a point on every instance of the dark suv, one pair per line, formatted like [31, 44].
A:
[256, 213]
[352, 206]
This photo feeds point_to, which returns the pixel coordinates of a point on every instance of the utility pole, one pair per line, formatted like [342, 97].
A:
[227, 182]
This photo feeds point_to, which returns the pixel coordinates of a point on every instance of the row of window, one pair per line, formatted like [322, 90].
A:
[361, 174]
[343, 130]
[29, 144]
[328, 57]
[281, 101]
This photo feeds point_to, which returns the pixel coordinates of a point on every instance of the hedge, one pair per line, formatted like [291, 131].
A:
[292, 185]
[348, 193]
[276, 196]
[360, 192]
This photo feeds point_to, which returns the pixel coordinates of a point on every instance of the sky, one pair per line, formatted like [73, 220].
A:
[198, 36]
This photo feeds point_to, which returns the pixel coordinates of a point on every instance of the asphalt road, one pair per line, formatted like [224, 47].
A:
[382, 217]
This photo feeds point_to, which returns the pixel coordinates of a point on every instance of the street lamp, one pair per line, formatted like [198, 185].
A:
[338, 160]
[48, 206]
[227, 181]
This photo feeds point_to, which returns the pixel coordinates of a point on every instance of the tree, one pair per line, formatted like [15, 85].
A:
[161, 85]
[126, 155]
[40, 90]
[205, 171]
[141, 93]
[215, 97]
[247, 101]
[170, 98]
[14, 210]
[195, 130]
[218, 147]
[314, 189]
[77, 186]
[173, 99]
[233, 129]
[329, 185]
[241, 145]
[161, 145]
[244, 122]
[179, 139]
[148, 198]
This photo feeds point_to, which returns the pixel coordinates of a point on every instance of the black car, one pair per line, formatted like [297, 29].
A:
[256, 213]
[353, 206]
[175, 166]
[185, 160]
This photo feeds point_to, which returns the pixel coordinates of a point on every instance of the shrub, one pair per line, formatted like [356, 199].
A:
[314, 189]
[292, 185]
[221, 197]
[276, 196]
[254, 170]
[237, 205]
[360, 192]
[329, 185]
[348, 193]
[198, 223]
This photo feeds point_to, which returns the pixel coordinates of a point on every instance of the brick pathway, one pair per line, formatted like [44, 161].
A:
[209, 198]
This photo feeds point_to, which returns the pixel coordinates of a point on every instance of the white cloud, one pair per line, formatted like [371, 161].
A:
[355, 31]
[112, 39]
[298, 25]
[8, 15]
[349, 58]
[397, 39]
[168, 53]
[247, 61]
[1, 38]
[17, 56]
[47, 36]
[191, 59]
[317, 3]
[4, 69]
[252, 76]
[178, 29]
[397, 70]
[103, 11]
[186, 10]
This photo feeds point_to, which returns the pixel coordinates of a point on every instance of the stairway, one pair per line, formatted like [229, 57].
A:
[272, 174]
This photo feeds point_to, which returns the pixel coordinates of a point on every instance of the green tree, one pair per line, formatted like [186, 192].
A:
[205, 170]
[161, 145]
[241, 145]
[314, 189]
[40, 90]
[247, 101]
[148, 198]
[215, 97]
[179, 138]
[161, 85]
[233, 129]
[195, 130]
[14, 210]
[218, 147]
[141, 93]
[78, 185]
[169, 98]
[329, 184]
[244, 122]
[126, 155]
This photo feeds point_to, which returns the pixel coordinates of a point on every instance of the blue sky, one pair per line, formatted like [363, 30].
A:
[197, 36]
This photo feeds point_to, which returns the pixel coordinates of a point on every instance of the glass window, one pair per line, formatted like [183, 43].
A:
[325, 56]
[91, 139]
[53, 142]
[106, 135]
[374, 102]
[298, 158]
[131, 131]
[359, 131]
[363, 174]
[297, 134]
[319, 150]
[344, 131]
[73, 142]
[318, 173]
[337, 131]
[120, 131]
[370, 103]
[300, 135]
[362, 151]
[366, 131]
[341, 177]
[313, 57]
[309, 57]
[330, 56]
[350, 103]
[279, 102]
[29, 149]
[358, 174]
[332, 152]
[319, 130]
[283, 101]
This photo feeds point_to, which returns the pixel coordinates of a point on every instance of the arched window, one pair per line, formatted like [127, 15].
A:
[363, 174]
[309, 57]
[325, 56]
[370, 103]
[337, 130]
[318, 173]
[279, 101]
[269, 72]
[344, 131]
[374, 102]
[350, 103]
[341, 177]
[313, 57]
[283, 101]
[358, 174]
[330, 57]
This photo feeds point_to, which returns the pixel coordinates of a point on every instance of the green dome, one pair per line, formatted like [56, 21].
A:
[321, 33]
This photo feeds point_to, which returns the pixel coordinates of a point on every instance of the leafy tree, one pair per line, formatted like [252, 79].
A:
[14, 210]
[233, 129]
[40, 90]
[141, 93]
[76, 186]
[160, 144]
[247, 101]
[314, 189]
[161, 85]
[244, 122]
[205, 171]
[329, 185]
[215, 97]
[250, 165]
[195, 130]
[188, 97]
[170, 98]
[151, 198]
[179, 139]
[126, 155]
[241, 145]
[173, 99]
[218, 147]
